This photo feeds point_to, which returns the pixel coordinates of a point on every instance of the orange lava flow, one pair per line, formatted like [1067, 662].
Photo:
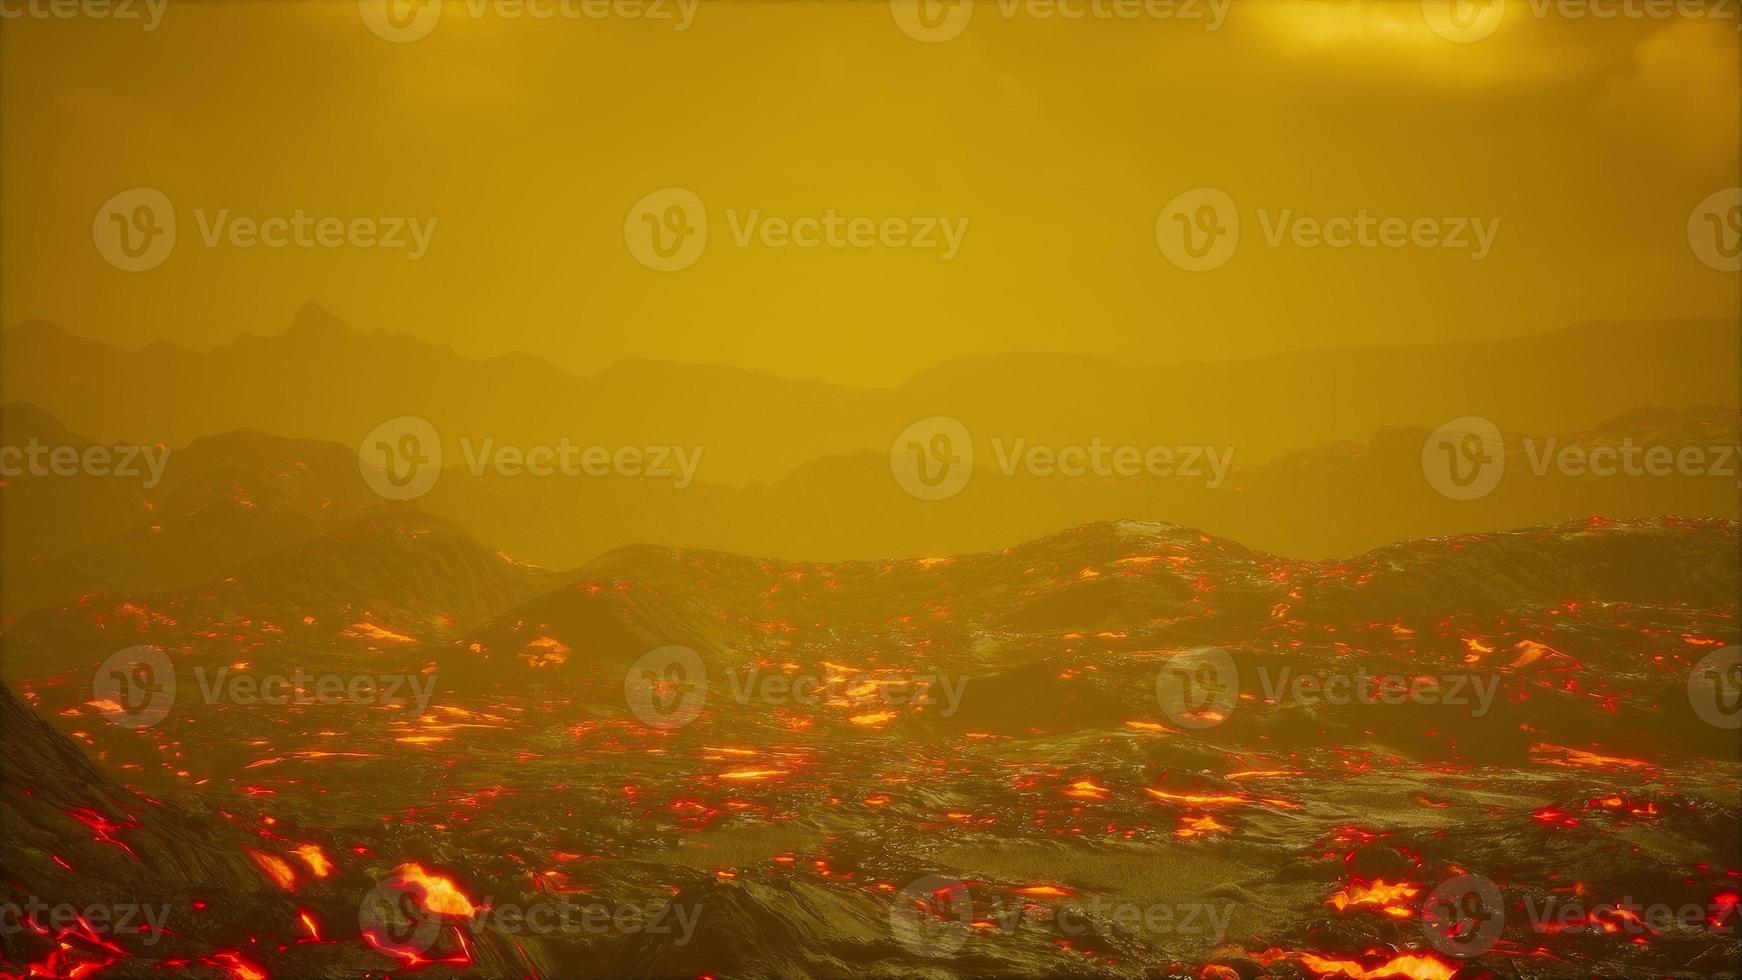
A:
[276, 868]
[1560, 755]
[1410, 966]
[80, 951]
[438, 894]
[1204, 799]
[751, 775]
[1205, 825]
[545, 651]
[237, 967]
[1087, 789]
[413, 959]
[1218, 799]
[1477, 650]
[1391, 899]
[370, 631]
[316, 859]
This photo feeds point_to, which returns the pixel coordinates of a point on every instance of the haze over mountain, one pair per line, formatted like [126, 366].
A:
[320, 379]
[244, 499]
[1335, 500]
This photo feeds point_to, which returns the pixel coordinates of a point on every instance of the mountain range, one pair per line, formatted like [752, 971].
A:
[322, 380]
[227, 501]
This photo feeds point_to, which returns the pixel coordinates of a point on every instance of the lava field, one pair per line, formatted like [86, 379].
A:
[1121, 750]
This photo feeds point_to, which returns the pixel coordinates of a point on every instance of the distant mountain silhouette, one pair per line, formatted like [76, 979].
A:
[226, 502]
[1337, 500]
[223, 501]
[319, 379]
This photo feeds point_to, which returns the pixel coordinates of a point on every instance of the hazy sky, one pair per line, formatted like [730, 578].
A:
[1059, 141]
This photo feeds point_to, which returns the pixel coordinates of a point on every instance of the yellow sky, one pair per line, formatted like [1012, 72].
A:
[1058, 141]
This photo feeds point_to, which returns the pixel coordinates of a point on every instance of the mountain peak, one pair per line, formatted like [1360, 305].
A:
[314, 322]
[35, 328]
[21, 421]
